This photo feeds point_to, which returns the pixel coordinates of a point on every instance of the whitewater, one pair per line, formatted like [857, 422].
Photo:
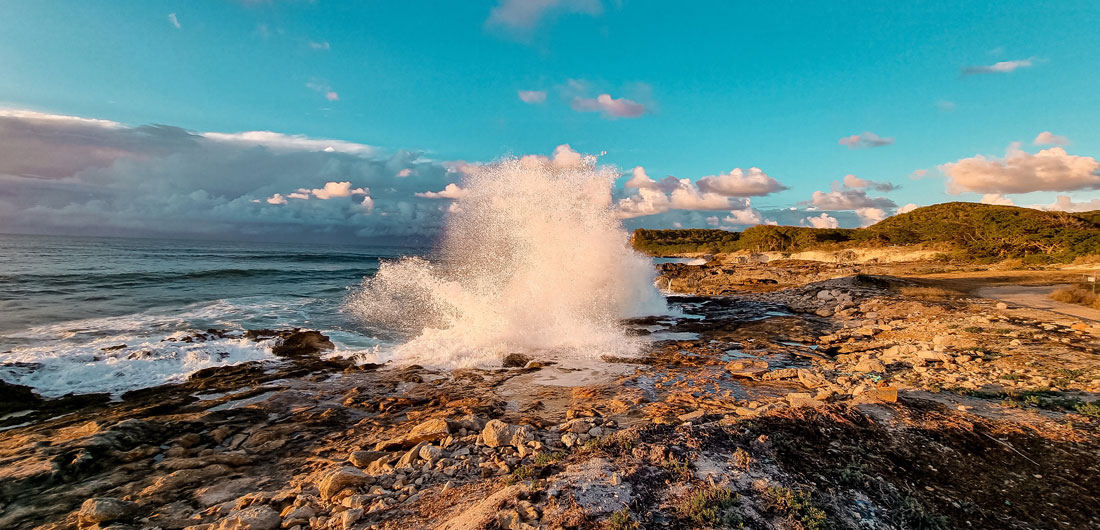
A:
[533, 260]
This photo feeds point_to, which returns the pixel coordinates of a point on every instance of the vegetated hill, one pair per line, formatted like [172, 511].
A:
[964, 230]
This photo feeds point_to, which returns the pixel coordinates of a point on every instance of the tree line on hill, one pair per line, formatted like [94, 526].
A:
[962, 230]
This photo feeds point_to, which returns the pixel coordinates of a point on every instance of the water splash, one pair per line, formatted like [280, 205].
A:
[533, 260]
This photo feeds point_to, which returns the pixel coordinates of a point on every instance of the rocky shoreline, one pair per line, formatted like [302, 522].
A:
[851, 402]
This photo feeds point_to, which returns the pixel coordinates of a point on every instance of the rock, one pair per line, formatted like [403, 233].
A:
[300, 515]
[870, 365]
[335, 481]
[570, 439]
[926, 355]
[104, 510]
[484, 513]
[410, 457]
[256, 517]
[428, 431]
[1080, 326]
[1002, 306]
[747, 367]
[516, 360]
[824, 312]
[363, 459]
[350, 517]
[498, 434]
[802, 399]
[17, 397]
[782, 373]
[810, 379]
[301, 343]
[431, 453]
[691, 416]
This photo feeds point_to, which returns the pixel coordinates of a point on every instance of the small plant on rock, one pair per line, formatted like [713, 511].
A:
[712, 506]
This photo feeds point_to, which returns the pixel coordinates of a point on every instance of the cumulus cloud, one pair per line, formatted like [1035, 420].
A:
[822, 221]
[848, 200]
[521, 17]
[906, 209]
[174, 21]
[1003, 67]
[746, 217]
[609, 107]
[865, 140]
[1049, 138]
[728, 191]
[337, 189]
[450, 191]
[870, 216]
[1063, 203]
[64, 174]
[1022, 172]
[741, 183]
[532, 97]
[996, 198]
[854, 182]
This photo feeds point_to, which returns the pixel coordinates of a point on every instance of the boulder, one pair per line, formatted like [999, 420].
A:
[516, 360]
[104, 510]
[500, 434]
[362, 459]
[17, 397]
[335, 481]
[427, 431]
[299, 343]
[747, 367]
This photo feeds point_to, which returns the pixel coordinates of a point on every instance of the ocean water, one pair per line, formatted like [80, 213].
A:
[533, 259]
[67, 303]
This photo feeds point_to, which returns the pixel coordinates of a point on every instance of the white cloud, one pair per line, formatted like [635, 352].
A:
[450, 191]
[1049, 138]
[172, 19]
[320, 46]
[324, 89]
[741, 183]
[1063, 203]
[995, 198]
[906, 209]
[823, 221]
[337, 189]
[1022, 172]
[722, 192]
[852, 181]
[1003, 67]
[946, 106]
[292, 142]
[848, 200]
[609, 107]
[712, 220]
[63, 174]
[520, 17]
[865, 140]
[870, 216]
[639, 179]
[746, 217]
[532, 96]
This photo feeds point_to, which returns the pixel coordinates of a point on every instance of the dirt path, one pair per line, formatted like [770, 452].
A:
[1038, 297]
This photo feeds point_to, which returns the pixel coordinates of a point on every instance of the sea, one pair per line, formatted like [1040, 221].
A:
[100, 314]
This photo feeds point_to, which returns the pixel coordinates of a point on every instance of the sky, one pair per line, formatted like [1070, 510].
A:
[356, 121]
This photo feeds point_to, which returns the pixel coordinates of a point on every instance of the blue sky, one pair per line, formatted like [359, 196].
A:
[723, 85]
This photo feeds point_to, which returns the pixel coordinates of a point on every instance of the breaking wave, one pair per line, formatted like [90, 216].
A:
[533, 259]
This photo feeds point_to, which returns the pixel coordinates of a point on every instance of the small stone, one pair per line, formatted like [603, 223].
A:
[802, 399]
[500, 434]
[1002, 306]
[255, 517]
[870, 365]
[363, 459]
[691, 416]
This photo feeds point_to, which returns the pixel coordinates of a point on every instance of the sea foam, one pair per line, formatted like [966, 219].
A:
[533, 259]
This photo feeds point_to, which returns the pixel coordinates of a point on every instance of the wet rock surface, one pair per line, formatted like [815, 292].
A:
[841, 404]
